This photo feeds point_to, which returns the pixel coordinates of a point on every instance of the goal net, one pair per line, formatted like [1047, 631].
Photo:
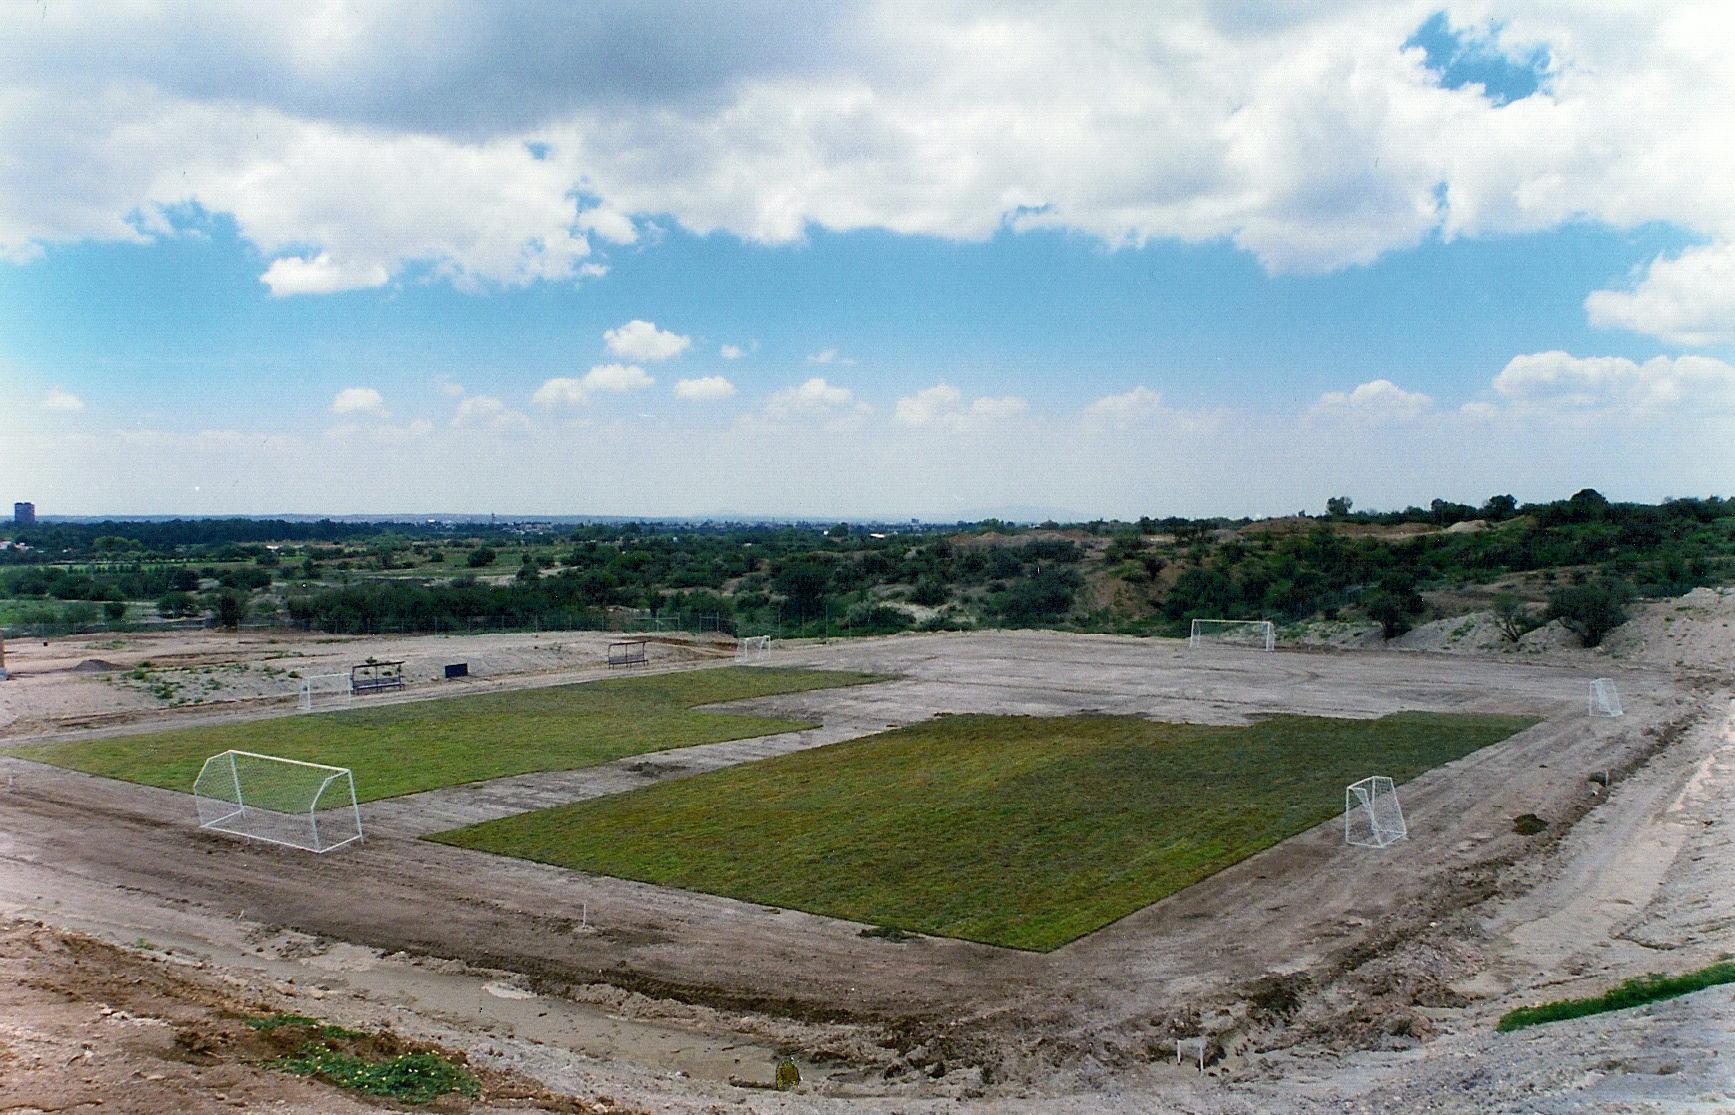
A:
[323, 692]
[1261, 634]
[753, 646]
[1372, 817]
[1604, 701]
[279, 801]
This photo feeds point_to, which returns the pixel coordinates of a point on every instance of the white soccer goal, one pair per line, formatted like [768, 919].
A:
[753, 646]
[322, 692]
[1604, 701]
[1260, 634]
[279, 801]
[1372, 817]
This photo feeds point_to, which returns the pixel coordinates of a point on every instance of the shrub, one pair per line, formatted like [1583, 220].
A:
[1591, 610]
[480, 556]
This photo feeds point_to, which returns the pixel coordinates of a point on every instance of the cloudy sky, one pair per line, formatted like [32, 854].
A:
[932, 260]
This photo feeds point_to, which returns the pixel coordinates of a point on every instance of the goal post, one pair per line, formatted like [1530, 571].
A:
[323, 692]
[753, 646]
[1372, 817]
[280, 801]
[1260, 634]
[1604, 701]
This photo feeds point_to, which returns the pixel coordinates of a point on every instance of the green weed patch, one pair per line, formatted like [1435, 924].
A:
[1017, 831]
[424, 745]
[1635, 992]
[408, 1077]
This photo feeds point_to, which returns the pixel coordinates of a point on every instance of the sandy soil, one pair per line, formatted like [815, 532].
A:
[1319, 976]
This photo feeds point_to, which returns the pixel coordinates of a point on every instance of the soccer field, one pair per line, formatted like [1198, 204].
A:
[424, 745]
[1026, 832]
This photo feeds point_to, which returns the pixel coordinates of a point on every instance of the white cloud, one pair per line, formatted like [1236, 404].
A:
[829, 356]
[704, 389]
[1138, 405]
[610, 224]
[1378, 401]
[943, 406]
[452, 390]
[731, 352]
[1560, 382]
[641, 340]
[368, 143]
[361, 401]
[484, 412]
[567, 391]
[1687, 300]
[62, 399]
[321, 275]
[815, 399]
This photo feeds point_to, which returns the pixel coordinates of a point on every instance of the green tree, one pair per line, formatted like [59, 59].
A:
[1338, 506]
[1512, 616]
[174, 605]
[1591, 610]
[1391, 610]
[480, 556]
[229, 609]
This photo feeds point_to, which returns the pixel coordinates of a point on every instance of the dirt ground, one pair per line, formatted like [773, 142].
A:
[1317, 976]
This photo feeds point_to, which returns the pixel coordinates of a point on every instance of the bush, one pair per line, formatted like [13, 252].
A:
[480, 556]
[1591, 610]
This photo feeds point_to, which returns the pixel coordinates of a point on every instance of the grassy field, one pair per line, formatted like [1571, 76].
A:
[1016, 831]
[405, 748]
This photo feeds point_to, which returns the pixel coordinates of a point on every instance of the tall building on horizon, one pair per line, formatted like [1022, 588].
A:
[23, 514]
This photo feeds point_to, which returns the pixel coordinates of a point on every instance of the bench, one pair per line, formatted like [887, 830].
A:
[376, 677]
[630, 653]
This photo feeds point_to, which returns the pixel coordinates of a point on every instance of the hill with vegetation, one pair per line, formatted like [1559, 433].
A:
[1579, 560]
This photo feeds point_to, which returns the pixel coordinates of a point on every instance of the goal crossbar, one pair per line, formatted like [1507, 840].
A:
[1261, 633]
[278, 800]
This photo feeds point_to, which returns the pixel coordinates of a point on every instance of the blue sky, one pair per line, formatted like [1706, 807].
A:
[891, 261]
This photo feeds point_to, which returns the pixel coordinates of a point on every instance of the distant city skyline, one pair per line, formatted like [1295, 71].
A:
[872, 261]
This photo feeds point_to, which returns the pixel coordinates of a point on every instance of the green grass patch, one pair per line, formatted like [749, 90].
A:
[1635, 992]
[408, 1077]
[424, 745]
[1016, 831]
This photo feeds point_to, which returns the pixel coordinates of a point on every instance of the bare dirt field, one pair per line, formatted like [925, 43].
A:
[1319, 977]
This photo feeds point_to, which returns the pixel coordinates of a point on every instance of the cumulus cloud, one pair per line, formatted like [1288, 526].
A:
[814, 399]
[610, 224]
[321, 275]
[1318, 139]
[567, 391]
[362, 401]
[704, 389]
[828, 356]
[731, 352]
[62, 399]
[1378, 401]
[1687, 300]
[484, 412]
[641, 340]
[1559, 381]
[1138, 405]
[942, 406]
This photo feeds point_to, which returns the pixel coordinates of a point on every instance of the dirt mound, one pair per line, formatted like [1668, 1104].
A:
[96, 666]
